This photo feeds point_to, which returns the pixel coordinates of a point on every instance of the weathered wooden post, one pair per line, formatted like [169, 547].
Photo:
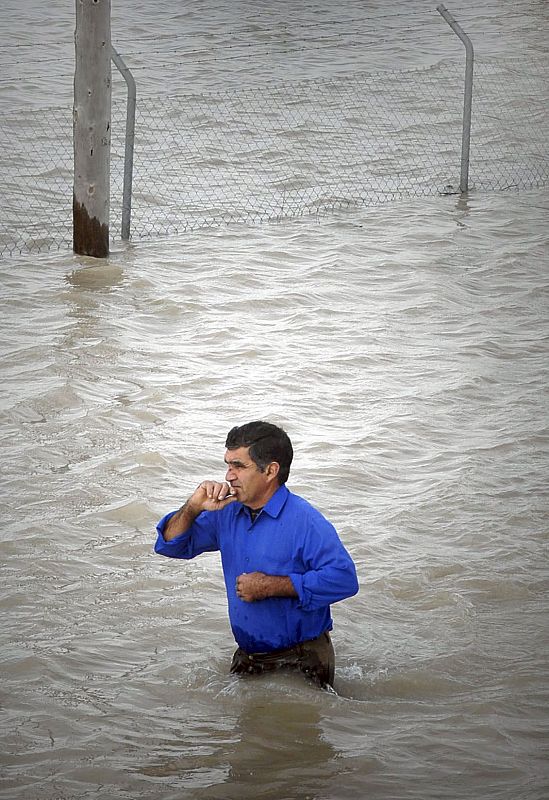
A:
[92, 128]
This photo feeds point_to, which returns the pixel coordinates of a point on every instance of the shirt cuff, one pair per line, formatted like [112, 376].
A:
[302, 593]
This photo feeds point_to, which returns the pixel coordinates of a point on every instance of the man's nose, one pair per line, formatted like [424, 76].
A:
[229, 475]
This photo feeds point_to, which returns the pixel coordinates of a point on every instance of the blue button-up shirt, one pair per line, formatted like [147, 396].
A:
[289, 537]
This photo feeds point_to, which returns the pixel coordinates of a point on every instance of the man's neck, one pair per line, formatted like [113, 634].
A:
[262, 501]
[254, 512]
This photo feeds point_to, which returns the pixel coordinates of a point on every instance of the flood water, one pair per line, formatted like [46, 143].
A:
[405, 349]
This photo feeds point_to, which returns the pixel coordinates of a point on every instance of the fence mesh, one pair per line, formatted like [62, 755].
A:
[253, 155]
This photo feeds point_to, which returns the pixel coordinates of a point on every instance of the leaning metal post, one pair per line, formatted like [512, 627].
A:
[130, 136]
[468, 96]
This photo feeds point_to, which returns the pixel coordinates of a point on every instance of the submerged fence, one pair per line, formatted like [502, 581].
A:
[252, 155]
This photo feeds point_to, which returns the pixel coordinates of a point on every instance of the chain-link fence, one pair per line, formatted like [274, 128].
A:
[252, 155]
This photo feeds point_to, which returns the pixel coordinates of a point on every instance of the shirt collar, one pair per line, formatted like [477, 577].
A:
[275, 505]
[277, 501]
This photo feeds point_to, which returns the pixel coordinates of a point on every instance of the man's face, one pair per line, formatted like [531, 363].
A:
[251, 486]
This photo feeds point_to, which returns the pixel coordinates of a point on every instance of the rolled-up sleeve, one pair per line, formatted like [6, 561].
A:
[330, 574]
[200, 538]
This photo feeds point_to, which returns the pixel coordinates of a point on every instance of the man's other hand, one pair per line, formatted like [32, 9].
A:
[251, 586]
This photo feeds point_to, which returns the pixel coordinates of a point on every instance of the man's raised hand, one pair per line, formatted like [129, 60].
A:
[211, 496]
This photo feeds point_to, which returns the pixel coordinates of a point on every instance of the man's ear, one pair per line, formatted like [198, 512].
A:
[272, 470]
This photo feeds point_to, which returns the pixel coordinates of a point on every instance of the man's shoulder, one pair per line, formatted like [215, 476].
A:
[297, 500]
[297, 503]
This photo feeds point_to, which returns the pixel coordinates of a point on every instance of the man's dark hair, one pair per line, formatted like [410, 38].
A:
[267, 442]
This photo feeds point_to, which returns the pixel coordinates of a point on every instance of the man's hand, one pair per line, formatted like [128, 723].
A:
[252, 586]
[209, 496]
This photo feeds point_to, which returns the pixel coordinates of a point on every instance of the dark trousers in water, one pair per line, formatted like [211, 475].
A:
[314, 657]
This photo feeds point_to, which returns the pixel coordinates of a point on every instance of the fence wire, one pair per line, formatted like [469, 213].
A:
[277, 152]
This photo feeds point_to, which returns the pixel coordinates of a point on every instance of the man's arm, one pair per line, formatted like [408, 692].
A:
[209, 496]
[329, 577]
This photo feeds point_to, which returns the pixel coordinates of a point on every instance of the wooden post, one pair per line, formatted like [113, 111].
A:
[92, 128]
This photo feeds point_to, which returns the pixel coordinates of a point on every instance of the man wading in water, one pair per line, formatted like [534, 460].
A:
[283, 562]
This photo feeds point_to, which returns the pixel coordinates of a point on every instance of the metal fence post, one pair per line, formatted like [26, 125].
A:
[129, 143]
[467, 98]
